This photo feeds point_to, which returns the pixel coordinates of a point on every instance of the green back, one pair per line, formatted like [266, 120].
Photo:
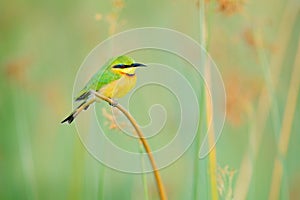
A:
[104, 76]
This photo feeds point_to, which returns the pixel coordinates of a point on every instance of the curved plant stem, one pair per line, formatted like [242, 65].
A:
[144, 176]
[157, 176]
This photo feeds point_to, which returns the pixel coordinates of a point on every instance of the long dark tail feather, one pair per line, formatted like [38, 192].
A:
[83, 96]
[70, 118]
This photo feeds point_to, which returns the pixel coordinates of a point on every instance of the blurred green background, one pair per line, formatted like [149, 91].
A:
[255, 45]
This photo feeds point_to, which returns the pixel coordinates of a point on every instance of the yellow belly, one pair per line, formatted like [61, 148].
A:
[119, 88]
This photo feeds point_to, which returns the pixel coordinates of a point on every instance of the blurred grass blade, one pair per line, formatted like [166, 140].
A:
[288, 116]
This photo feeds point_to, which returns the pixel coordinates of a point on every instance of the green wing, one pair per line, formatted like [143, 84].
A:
[105, 78]
[100, 79]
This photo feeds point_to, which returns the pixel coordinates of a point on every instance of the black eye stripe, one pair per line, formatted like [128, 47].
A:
[118, 66]
[121, 66]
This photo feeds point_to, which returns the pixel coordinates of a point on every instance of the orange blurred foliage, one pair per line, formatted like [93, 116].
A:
[230, 7]
[16, 70]
[241, 92]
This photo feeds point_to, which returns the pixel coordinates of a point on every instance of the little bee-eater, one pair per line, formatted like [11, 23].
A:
[114, 80]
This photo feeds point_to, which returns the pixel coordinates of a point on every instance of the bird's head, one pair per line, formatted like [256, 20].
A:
[125, 65]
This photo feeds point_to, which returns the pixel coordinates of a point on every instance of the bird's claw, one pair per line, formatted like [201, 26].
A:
[113, 103]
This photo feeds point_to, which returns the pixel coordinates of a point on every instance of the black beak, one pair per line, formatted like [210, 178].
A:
[138, 65]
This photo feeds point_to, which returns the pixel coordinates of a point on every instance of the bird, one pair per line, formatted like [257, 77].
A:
[114, 80]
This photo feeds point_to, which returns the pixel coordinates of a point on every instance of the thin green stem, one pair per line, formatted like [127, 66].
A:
[212, 156]
[202, 126]
[100, 193]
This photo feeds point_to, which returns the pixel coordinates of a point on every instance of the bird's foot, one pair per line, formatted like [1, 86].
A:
[93, 96]
[113, 103]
